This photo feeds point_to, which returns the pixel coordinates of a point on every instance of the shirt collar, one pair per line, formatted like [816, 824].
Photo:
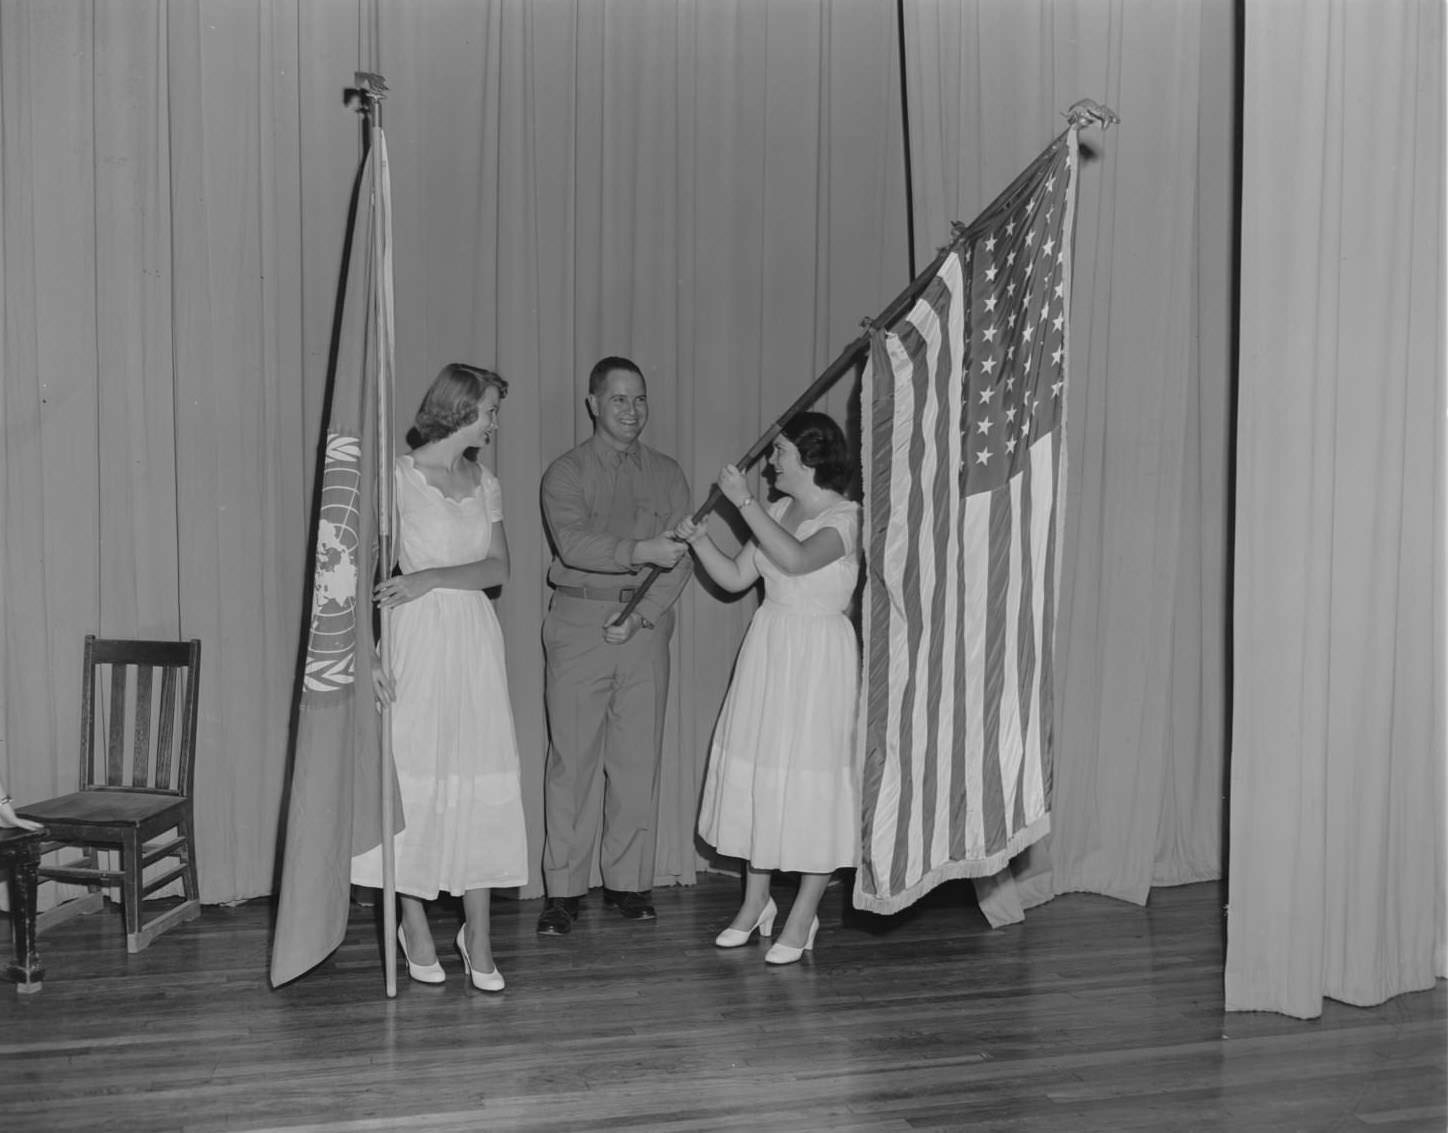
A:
[611, 457]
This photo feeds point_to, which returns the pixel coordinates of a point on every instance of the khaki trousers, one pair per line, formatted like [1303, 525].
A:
[605, 708]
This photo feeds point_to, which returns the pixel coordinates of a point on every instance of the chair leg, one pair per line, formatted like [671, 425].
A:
[189, 882]
[26, 971]
[131, 890]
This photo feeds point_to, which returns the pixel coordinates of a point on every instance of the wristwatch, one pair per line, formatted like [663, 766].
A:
[643, 621]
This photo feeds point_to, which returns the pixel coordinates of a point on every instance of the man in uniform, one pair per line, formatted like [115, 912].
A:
[607, 505]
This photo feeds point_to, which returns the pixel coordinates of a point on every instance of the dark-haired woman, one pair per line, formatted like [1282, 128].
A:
[452, 723]
[781, 790]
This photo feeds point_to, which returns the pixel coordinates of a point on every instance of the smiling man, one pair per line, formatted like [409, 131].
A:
[607, 505]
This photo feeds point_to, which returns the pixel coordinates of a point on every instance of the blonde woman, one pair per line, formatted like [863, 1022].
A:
[453, 739]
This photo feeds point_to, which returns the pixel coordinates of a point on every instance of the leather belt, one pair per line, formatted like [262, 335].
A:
[594, 594]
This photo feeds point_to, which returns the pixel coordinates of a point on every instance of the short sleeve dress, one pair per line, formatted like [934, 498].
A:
[452, 722]
[782, 787]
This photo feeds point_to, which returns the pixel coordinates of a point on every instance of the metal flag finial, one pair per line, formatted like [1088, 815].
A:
[1086, 111]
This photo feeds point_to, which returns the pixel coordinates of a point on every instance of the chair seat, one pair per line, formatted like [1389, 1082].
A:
[12, 840]
[102, 808]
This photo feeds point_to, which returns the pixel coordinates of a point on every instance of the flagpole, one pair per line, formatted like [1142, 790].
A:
[832, 373]
[1082, 113]
[370, 89]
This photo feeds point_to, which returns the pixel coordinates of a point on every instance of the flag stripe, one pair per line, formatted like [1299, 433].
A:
[975, 533]
[918, 580]
[998, 580]
[881, 779]
[952, 707]
[1025, 636]
[903, 576]
[928, 341]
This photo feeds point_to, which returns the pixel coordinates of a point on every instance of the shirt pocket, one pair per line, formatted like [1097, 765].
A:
[648, 519]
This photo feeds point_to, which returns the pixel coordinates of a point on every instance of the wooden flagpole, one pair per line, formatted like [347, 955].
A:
[370, 89]
[1080, 114]
[831, 374]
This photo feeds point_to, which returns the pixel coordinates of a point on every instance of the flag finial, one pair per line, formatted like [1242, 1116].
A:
[370, 88]
[1086, 111]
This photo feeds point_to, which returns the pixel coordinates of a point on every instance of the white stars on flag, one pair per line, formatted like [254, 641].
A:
[1015, 335]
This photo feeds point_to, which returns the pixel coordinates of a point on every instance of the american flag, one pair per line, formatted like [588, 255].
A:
[963, 402]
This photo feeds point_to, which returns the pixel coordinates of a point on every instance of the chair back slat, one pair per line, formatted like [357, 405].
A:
[116, 739]
[141, 743]
[110, 650]
[165, 733]
[88, 714]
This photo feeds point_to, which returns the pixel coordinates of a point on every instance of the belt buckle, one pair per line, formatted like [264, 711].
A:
[626, 594]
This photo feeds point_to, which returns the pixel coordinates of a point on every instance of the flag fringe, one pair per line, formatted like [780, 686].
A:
[1022, 839]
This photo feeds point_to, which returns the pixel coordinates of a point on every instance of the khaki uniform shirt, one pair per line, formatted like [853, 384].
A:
[598, 502]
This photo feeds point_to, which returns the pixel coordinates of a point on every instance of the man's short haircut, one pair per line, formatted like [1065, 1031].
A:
[605, 366]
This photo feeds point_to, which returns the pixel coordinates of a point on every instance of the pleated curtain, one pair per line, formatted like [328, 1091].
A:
[1337, 884]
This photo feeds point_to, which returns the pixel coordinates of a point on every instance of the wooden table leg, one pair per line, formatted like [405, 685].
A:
[26, 971]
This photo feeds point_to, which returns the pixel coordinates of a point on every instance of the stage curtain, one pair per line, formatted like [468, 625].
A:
[1337, 880]
[1140, 633]
[713, 188]
[153, 366]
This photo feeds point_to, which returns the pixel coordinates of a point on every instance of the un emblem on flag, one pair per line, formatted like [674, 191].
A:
[332, 639]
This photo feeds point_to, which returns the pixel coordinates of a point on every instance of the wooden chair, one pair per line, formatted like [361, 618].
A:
[138, 801]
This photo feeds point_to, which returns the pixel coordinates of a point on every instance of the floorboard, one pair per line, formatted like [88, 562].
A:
[1093, 1015]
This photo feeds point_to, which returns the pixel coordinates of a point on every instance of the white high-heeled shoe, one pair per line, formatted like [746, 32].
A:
[483, 981]
[784, 954]
[737, 938]
[422, 973]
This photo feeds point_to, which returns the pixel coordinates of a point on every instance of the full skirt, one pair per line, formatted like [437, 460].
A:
[782, 788]
[456, 752]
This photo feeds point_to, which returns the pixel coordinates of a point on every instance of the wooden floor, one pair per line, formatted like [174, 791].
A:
[1093, 1015]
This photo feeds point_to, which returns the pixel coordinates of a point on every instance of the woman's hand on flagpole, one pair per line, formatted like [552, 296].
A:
[687, 531]
[734, 486]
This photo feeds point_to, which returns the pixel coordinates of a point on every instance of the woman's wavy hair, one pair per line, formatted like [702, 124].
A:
[821, 445]
[452, 402]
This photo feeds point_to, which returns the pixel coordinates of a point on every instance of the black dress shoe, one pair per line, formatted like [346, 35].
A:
[558, 916]
[633, 906]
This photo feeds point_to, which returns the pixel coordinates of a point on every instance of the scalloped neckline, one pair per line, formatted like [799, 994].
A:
[434, 489]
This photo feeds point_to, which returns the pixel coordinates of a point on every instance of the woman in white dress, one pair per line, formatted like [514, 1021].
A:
[452, 723]
[782, 790]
